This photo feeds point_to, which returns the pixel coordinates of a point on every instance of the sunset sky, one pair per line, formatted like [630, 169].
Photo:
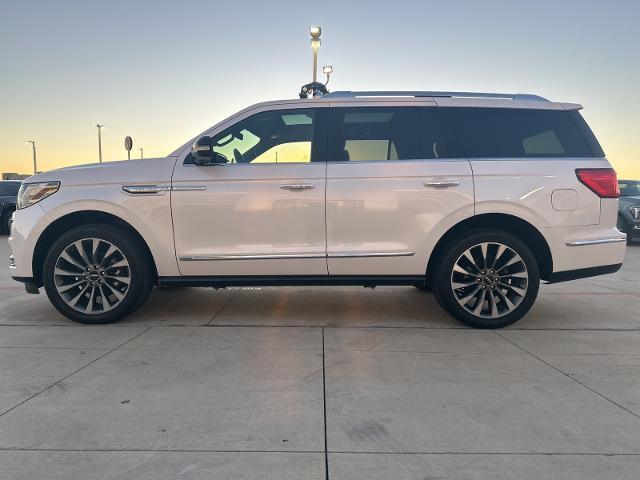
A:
[163, 71]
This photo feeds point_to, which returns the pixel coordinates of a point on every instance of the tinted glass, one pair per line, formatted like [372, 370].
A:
[510, 132]
[629, 189]
[375, 133]
[281, 136]
[9, 189]
[438, 139]
[586, 132]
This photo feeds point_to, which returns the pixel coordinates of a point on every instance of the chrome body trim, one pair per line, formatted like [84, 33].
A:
[599, 241]
[187, 188]
[442, 184]
[369, 254]
[297, 186]
[207, 258]
[151, 189]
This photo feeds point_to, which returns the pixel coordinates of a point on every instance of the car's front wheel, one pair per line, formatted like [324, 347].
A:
[487, 279]
[97, 274]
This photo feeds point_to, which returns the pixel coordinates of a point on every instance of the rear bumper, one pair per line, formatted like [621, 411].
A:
[567, 275]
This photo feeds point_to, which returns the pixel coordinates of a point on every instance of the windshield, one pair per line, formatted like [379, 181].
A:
[629, 189]
[9, 189]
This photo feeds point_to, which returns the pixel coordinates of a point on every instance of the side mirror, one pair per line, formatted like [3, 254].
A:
[202, 153]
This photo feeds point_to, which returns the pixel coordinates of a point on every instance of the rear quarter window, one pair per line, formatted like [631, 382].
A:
[512, 132]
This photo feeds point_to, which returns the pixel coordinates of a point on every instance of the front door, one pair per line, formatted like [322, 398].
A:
[263, 212]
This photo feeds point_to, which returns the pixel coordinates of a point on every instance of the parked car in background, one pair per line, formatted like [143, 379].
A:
[479, 196]
[8, 195]
[629, 208]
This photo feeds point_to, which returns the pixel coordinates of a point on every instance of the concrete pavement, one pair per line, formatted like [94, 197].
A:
[349, 383]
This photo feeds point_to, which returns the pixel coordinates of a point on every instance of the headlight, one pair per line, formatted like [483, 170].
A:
[31, 193]
[635, 212]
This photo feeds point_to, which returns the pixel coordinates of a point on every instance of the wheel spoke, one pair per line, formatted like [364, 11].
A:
[468, 296]
[512, 261]
[89, 308]
[457, 285]
[69, 286]
[81, 252]
[67, 258]
[119, 278]
[501, 250]
[477, 309]
[483, 250]
[493, 304]
[65, 273]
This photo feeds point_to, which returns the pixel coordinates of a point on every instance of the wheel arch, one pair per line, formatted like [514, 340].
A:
[76, 219]
[499, 221]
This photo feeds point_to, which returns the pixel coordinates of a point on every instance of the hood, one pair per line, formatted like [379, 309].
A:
[149, 170]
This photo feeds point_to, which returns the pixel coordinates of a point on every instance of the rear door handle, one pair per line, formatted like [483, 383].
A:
[297, 186]
[442, 184]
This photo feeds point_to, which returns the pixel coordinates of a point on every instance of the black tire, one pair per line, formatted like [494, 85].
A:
[424, 287]
[140, 270]
[4, 221]
[448, 299]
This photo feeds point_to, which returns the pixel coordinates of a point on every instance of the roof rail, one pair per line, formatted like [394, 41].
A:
[382, 93]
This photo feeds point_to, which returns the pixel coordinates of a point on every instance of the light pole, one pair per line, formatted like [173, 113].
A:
[141, 153]
[315, 44]
[33, 149]
[99, 127]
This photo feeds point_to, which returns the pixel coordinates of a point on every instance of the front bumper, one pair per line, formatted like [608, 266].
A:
[26, 227]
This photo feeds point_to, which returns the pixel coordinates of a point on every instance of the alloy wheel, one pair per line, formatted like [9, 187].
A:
[92, 276]
[489, 280]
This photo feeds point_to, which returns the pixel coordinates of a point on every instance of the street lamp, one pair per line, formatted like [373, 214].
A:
[141, 153]
[315, 33]
[100, 127]
[33, 149]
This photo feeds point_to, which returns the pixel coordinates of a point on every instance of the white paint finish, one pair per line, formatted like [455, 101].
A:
[523, 188]
[564, 199]
[98, 187]
[571, 258]
[385, 206]
[244, 212]
[28, 224]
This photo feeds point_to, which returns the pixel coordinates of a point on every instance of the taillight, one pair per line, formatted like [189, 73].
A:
[601, 181]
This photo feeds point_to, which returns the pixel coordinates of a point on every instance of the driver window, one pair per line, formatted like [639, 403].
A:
[279, 136]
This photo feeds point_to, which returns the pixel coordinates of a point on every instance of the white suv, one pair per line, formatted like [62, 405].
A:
[476, 196]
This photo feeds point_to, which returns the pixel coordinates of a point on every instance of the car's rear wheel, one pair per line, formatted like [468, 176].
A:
[487, 279]
[97, 274]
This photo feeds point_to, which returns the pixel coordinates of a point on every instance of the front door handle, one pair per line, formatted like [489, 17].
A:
[297, 186]
[442, 184]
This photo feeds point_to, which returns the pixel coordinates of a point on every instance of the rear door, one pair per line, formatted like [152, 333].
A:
[393, 187]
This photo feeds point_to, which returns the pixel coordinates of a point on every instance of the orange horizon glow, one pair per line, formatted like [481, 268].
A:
[161, 76]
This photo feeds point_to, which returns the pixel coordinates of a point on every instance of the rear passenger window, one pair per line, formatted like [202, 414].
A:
[375, 133]
[510, 132]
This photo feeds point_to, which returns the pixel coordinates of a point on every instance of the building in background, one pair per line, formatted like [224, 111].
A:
[14, 176]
